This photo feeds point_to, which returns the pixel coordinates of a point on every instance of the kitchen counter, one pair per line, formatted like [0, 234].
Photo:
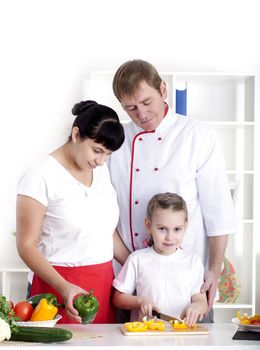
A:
[109, 335]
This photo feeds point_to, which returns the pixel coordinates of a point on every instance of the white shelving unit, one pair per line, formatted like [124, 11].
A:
[227, 103]
[13, 282]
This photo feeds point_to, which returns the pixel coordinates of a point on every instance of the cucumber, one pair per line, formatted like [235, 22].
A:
[40, 334]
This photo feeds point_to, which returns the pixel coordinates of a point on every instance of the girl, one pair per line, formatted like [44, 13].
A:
[166, 278]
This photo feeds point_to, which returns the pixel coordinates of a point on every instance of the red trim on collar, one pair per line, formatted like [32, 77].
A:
[131, 183]
[166, 109]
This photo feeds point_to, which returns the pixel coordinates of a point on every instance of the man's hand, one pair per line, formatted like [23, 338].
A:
[217, 248]
[209, 287]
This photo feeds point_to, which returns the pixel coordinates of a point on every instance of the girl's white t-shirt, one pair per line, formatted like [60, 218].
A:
[79, 221]
[168, 280]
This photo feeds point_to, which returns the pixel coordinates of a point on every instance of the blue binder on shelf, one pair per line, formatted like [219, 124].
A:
[181, 101]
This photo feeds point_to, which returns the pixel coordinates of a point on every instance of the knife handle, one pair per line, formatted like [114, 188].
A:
[155, 313]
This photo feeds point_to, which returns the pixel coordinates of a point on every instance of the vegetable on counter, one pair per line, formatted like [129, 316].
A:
[5, 330]
[44, 311]
[51, 298]
[7, 312]
[27, 334]
[136, 326]
[156, 325]
[181, 325]
[11, 304]
[245, 319]
[87, 306]
[40, 334]
[24, 310]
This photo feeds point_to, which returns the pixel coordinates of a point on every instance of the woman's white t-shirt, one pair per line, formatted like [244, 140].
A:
[79, 221]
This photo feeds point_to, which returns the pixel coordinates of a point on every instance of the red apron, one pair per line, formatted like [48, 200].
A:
[98, 277]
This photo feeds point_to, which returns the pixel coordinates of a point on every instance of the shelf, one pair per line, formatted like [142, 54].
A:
[14, 269]
[13, 282]
[233, 124]
[246, 221]
[240, 172]
[220, 99]
[232, 306]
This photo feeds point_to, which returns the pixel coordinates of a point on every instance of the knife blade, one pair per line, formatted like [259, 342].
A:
[165, 317]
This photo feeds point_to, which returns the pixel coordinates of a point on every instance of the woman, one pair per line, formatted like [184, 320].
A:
[67, 213]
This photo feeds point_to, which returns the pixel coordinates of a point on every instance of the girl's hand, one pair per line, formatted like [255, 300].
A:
[191, 314]
[146, 308]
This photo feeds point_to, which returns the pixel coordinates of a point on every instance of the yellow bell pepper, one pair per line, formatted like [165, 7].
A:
[135, 326]
[245, 319]
[156, 325]
[255, 318]
[44, 311]
[181, 325]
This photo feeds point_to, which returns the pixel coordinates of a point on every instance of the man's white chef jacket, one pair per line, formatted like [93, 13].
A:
[182, 156]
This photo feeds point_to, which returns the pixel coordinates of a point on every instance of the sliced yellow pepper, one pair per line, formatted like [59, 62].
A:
[255, 318]
[181, 325]
[156, 325]
[178, 325]
[245, 319]
[241, 317]
[135, 326]
[44, 311]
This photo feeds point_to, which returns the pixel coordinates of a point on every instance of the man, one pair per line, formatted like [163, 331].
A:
[167, 152]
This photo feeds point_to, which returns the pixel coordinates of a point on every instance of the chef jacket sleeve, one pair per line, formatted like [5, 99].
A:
[33, 185]
[213, 187]
[198, 275]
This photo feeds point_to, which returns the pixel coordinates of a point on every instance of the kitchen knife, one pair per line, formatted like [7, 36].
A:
[165, 317]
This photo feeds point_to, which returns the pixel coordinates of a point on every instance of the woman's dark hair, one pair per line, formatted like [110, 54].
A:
[99, 123]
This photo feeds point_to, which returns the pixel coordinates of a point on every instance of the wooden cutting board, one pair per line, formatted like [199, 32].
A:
[199, 330]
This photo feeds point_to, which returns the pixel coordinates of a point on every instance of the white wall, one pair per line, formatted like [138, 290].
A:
[48, 47]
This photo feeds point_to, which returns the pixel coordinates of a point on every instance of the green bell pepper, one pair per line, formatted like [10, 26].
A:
[87, 306]
[51, 298]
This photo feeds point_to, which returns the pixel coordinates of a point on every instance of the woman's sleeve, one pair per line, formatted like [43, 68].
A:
[32, 184]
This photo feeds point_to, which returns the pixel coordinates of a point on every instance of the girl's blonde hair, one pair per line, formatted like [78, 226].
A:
[166, 201]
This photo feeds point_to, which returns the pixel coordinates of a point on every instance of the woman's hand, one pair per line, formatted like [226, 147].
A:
[69, 291]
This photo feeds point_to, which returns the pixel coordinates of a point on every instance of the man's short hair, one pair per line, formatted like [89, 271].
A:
[130, 74]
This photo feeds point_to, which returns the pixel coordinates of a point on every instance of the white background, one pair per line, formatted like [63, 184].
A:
[48, 48]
